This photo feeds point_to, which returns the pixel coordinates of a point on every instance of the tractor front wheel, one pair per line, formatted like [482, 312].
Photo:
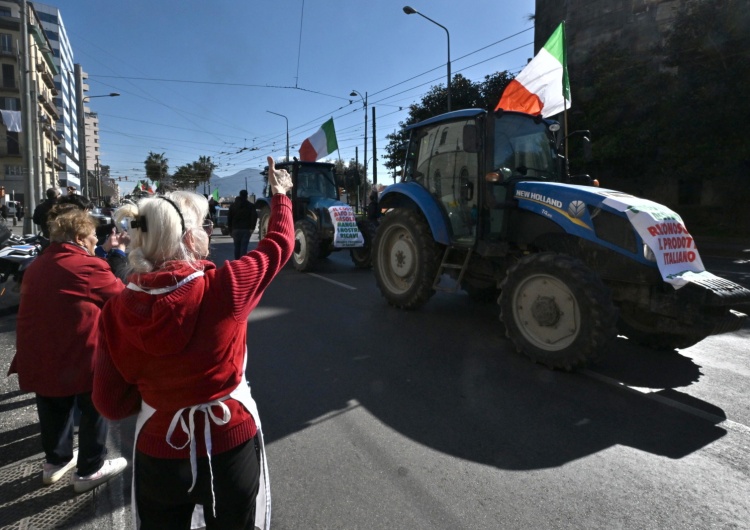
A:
[556, 310]
[648, 329]
[306, 245]
[263, 217]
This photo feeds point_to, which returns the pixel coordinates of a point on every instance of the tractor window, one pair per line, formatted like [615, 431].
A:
[523, 148]
[314, 182]
[443, 167]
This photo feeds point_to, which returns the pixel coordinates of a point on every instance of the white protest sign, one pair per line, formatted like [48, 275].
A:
[346, 234]
[667, 237]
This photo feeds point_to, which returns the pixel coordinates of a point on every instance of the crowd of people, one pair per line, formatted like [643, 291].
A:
[125, 312]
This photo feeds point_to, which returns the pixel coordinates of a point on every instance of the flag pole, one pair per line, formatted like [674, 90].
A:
[565, 98]
[565, 130]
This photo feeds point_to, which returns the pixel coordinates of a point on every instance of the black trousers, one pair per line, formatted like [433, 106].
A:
[162, 485]
[56, 424]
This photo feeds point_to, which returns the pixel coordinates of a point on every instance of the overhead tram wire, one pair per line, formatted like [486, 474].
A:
[315, 121]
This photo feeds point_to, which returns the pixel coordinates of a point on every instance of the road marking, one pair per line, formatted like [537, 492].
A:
[334, 282]
[651, 394]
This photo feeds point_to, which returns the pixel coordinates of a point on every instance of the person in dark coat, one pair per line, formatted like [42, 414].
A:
[212, 204]
[241, 221]
[373, 208]
[57, 338]
[41, 212]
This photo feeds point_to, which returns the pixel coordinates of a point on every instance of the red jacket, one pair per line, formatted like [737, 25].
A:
[187, 346]
[62, 294]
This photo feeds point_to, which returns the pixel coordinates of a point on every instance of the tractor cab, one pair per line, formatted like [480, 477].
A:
[468, 159]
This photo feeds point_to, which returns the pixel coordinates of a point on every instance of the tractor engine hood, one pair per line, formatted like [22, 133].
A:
[662, 238]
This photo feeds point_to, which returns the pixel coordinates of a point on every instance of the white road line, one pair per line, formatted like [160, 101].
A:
[713, 418]
[334, 282]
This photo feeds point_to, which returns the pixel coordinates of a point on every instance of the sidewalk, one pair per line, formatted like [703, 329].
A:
[25, 503]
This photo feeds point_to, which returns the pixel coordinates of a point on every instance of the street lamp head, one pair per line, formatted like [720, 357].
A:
[410, 10]
[354, 93]
[114, 94]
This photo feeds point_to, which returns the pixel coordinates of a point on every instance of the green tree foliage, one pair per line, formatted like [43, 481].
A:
[157, 167]
[465, 94]
[350, 176]
[676, 117]
[191, 176]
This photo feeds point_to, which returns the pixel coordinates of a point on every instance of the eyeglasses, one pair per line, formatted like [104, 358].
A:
[208, 226]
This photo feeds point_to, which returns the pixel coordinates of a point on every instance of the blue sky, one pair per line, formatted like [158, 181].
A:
[197, 78]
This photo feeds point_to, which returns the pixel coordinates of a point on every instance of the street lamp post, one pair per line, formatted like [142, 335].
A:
[411, 11]
[287, 131]
[364, 101]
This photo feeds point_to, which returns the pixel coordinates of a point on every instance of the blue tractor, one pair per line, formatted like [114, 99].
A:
[486, 205]
[319, 224]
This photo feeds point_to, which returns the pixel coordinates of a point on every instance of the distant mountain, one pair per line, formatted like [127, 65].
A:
[229, 187]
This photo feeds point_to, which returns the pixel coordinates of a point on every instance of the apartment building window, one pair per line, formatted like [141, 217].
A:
[5, 12]
[9, 76]
[13, 171]
[10, 104]
[6, 44]
[14, 147]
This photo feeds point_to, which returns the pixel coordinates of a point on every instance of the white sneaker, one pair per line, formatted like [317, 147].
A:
[109, 469]
[51, 473]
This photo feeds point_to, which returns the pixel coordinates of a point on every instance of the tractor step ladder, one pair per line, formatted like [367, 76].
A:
[454, 258]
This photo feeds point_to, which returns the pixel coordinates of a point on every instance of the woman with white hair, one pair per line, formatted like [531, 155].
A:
[175, 352]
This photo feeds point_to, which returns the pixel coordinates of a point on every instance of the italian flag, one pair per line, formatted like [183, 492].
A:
[319, 144]
[543, 86]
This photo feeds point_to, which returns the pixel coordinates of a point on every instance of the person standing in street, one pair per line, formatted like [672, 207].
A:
[62, 295]
[42, 210]
[175, 352]
[241, 221]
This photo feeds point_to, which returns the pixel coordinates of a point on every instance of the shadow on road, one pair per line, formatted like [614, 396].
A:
[446, 377]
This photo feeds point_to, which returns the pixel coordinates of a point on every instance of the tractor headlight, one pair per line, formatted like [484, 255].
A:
[648, 253]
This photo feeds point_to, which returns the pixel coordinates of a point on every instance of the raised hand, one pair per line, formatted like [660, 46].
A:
[278, 179]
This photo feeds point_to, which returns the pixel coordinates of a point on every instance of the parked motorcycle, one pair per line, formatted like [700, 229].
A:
[16, 254]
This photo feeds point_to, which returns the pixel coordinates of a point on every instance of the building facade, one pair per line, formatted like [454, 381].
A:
[65, 101]
[29, 162]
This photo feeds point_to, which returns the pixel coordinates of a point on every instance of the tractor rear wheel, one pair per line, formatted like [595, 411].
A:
[405, 259]
[556, 310]
[362, 256]
[306, 245]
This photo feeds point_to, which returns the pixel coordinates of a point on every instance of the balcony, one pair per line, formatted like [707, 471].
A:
[49, 80]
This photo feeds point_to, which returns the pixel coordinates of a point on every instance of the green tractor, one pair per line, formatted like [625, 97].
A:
[322, 222]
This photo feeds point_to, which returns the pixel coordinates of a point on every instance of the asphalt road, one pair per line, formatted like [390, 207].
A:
[379, 418]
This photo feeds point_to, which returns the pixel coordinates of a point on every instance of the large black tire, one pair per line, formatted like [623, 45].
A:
[362, 256]
[263, 217]
[405, 259]
[556, 310]
[645, 328]
[306, 245]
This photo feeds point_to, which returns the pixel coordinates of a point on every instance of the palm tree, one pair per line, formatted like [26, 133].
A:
[157, 167]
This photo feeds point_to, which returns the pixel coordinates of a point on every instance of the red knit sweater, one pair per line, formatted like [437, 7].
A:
[187, 346]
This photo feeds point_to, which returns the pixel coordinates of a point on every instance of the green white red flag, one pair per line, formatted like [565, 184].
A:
[320, 144]
[543, 86]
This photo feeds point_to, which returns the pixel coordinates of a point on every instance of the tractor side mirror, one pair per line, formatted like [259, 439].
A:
[587, 155]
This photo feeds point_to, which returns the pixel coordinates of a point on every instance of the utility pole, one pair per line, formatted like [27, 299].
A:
[29, 113]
